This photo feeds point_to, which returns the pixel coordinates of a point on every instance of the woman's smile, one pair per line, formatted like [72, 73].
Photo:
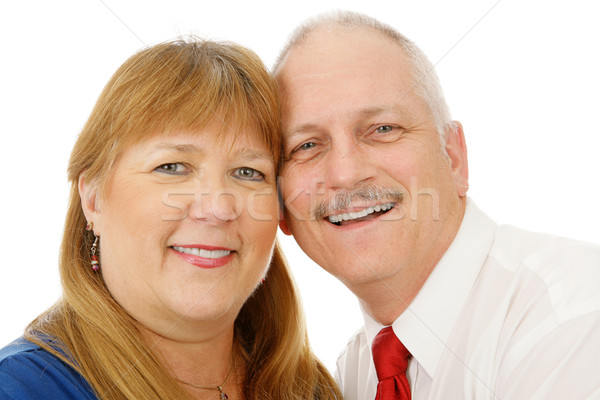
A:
[204, 256]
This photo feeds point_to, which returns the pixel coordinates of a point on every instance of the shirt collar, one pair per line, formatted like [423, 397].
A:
[425, 326]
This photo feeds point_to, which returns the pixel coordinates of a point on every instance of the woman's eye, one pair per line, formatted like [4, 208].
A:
[384, 129]
[249, 174]
[172, 168]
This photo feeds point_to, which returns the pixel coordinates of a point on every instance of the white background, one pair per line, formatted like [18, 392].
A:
[522, 77]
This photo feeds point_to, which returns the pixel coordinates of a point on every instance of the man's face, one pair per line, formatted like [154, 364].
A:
[369, 193]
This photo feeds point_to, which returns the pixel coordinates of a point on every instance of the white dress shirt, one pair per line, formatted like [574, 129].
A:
[506, 314]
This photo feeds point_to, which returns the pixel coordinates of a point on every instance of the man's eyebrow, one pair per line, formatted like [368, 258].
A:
[309, 127]
[374, 111]
[362, 113]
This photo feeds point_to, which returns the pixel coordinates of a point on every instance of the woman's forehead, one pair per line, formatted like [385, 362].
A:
[247, 141]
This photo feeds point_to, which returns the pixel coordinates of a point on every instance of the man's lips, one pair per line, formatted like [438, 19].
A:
[360, 215]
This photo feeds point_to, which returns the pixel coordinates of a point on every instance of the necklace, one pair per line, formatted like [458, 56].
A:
[223, 395]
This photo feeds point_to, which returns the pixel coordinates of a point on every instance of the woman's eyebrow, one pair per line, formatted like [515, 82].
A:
[247, 154]
[250, 154]
[179, 148]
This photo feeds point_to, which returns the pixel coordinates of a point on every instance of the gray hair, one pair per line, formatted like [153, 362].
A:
[425, 81]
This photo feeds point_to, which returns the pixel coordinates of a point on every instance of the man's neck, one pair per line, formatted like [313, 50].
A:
[386, 299]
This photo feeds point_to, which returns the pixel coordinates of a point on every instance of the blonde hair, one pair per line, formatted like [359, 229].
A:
[425, 80]
[183, 84]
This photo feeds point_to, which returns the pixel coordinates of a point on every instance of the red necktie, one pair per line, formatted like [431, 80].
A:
[391, 360]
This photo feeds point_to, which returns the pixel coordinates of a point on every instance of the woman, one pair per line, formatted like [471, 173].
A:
[173, 287]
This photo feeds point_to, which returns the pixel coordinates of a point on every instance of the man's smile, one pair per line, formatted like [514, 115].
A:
[362, 215]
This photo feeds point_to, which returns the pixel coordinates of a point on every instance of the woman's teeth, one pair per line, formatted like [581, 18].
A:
[359, 214]
[201, 252]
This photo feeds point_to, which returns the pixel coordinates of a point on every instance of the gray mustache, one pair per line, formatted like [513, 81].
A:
[343, 201]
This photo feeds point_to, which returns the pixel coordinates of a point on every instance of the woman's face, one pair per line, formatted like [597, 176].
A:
[187, 227]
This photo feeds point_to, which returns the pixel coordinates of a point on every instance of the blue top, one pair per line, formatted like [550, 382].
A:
[29, 372]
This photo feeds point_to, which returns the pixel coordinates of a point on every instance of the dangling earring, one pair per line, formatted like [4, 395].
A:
[94, 258]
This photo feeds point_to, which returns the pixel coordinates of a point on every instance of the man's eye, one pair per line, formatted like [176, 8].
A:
[307, 146]
[384, 129]
[249, 174]
[304, 151]
[172, 168]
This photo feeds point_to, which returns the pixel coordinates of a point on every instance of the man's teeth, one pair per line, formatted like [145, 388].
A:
[201, 252]
[359, 214]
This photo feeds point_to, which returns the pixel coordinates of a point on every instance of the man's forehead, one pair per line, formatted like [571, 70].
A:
[333, 33]
[332, 60]
[347, 74]
[332, 42]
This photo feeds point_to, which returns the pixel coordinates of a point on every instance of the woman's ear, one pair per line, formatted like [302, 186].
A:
[88, 193]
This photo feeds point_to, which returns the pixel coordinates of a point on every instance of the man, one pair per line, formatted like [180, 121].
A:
[374, 183]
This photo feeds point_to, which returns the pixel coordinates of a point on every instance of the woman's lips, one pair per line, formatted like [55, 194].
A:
[204, 256]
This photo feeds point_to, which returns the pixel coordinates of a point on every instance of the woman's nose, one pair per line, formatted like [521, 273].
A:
[215, 202]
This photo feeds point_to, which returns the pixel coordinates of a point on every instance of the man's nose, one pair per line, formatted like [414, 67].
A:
[348, 164]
